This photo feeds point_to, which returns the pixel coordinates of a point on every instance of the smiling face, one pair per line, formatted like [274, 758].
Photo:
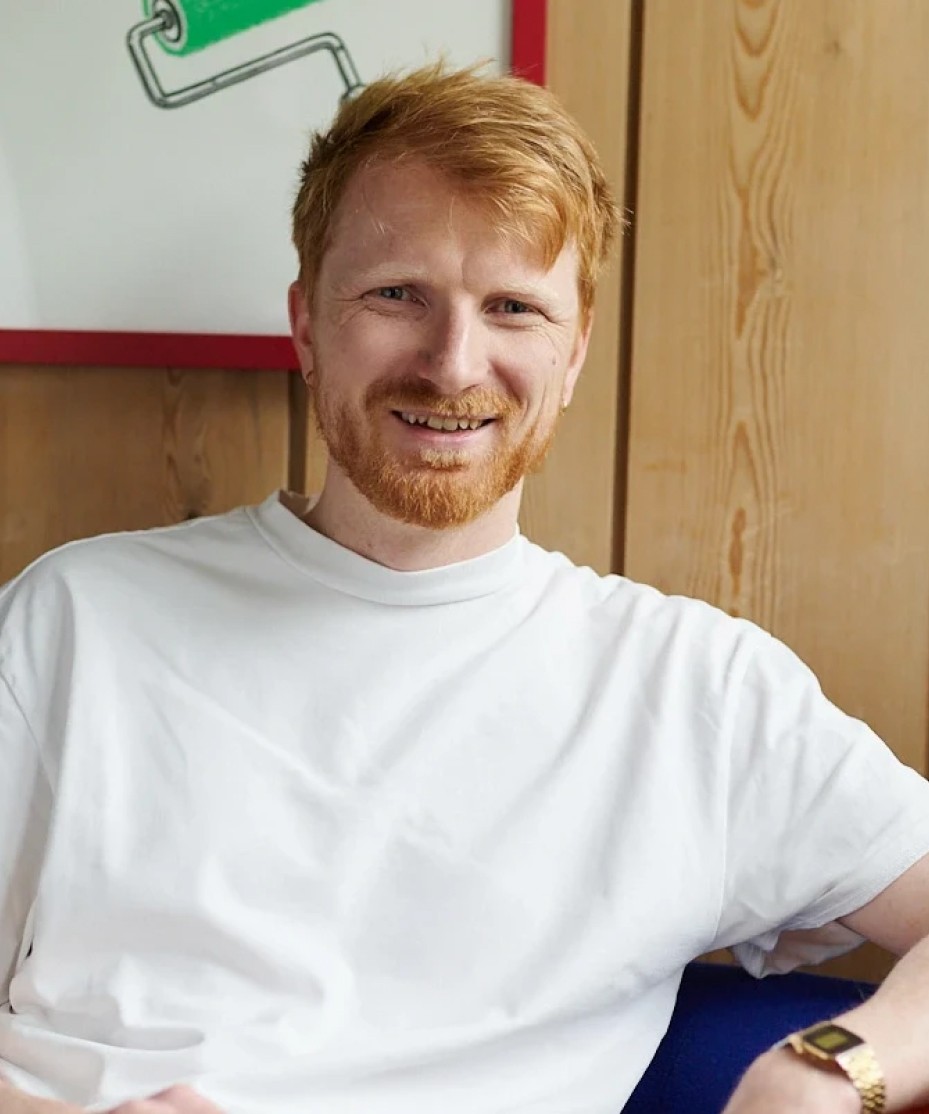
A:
[438, 353]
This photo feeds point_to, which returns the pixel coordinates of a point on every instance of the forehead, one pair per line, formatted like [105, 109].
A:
[389, 194]
[393, 211]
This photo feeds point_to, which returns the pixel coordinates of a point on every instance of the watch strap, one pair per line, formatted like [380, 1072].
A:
[859, 1063]
[863, 1070]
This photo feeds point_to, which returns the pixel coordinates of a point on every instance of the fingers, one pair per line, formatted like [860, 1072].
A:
[175, 1100]
[185, 1100]
[140, 1106]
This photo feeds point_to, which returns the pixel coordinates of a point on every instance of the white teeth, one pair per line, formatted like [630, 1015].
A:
[448, 425]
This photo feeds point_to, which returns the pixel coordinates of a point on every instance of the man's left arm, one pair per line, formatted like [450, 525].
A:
[895, 1021]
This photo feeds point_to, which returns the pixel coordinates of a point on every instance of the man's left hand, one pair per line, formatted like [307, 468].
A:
[778, 1081]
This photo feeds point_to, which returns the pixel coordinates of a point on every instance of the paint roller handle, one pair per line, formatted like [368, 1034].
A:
[328, 41]
[135, 40]
[345, 65]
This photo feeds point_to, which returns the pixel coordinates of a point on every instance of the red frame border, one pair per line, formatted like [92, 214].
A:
[215, 350]
[528, 53]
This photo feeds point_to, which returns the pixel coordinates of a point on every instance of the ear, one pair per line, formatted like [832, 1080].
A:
[577, 360]
[301, 329]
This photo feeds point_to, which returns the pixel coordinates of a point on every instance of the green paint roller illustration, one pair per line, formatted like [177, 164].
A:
[184, 26]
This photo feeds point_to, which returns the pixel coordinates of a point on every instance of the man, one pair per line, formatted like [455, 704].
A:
[366, 804]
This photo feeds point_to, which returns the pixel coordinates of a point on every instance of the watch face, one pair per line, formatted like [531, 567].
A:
[831, 1039]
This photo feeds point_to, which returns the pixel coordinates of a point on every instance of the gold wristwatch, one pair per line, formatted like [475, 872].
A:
[830, 1046]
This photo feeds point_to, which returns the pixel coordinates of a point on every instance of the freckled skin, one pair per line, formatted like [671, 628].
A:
[422, 306]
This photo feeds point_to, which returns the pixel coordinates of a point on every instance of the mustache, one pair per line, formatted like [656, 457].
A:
[476, 402]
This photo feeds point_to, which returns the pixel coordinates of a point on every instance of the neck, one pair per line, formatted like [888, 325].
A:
[344, 515]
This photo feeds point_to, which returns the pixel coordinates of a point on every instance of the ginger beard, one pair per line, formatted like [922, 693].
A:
[428, 487]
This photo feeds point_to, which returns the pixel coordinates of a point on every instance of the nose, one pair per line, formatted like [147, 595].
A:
[454, 356]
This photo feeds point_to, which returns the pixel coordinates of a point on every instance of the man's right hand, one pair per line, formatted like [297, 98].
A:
[175, 1100]
[13, 1101]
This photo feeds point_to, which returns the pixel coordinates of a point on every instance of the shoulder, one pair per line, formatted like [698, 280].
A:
[105, 573]
[657, 627]
[102, 555]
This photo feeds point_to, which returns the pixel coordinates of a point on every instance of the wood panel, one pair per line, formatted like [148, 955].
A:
[88, 450]
[570, 504]
[778, 457]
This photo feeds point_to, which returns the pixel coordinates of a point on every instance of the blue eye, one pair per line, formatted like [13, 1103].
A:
[512, 305]
[392, 293]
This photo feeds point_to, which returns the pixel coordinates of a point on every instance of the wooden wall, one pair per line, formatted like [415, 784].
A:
[88, 450]
[575, 504]
[752, 423]
[779, 428]
[778, 448]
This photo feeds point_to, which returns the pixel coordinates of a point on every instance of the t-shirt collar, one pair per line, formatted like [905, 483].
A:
[346, 571]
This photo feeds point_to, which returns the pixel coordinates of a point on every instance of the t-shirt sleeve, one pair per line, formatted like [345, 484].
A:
[821, 818]
[25, 803]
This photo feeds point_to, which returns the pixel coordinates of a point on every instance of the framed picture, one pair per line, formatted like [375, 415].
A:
[149, 152]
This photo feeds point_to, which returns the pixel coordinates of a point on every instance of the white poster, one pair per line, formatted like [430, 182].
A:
[149, 149]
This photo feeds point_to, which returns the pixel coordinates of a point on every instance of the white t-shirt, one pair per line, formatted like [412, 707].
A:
[312, 834]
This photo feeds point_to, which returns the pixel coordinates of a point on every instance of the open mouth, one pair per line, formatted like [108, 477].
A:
[441, 424]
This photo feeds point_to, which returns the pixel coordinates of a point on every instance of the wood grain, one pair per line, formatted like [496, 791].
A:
[779, 457]
[570, 504]
[88, 450]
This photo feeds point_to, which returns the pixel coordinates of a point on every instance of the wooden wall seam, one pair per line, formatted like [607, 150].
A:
[626, 308]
